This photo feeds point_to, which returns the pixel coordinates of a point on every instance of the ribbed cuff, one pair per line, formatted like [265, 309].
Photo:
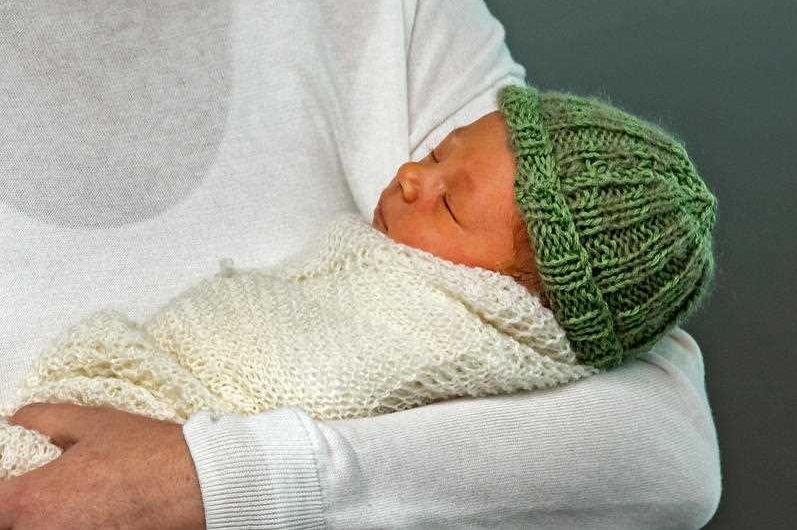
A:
[256, 471]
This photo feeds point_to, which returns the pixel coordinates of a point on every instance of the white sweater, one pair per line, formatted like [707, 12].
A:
[142, 142]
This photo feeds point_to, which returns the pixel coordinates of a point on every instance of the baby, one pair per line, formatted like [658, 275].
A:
[536, 246]
[597, 212]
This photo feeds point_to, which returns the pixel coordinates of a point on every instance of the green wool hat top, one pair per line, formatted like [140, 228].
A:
[618, 218]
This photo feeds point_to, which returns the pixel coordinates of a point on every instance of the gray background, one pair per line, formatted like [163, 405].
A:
[722, 76]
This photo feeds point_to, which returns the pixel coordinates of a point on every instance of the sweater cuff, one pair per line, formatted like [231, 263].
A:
[256, 471]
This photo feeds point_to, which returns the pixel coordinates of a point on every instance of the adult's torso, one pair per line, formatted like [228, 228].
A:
[141, 142]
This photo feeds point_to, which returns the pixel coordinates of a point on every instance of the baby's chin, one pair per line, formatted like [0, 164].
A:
[378, 221]
[376, 224]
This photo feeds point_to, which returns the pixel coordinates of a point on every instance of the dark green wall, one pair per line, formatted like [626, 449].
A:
[721, 76]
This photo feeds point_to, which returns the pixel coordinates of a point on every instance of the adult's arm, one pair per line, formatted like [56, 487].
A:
[633, 448]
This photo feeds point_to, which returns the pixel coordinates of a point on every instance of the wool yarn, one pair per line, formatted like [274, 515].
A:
[620, 221]
[357, 325]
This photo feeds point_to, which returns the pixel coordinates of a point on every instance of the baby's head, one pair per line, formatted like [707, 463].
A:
[598, 212]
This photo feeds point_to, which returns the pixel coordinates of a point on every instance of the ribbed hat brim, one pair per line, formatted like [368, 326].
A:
[562, 261]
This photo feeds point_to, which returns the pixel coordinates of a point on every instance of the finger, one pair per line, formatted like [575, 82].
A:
[8, 508]
[64, 423]
[25, 499]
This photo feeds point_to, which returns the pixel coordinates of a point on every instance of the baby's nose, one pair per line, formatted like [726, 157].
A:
[409, 178]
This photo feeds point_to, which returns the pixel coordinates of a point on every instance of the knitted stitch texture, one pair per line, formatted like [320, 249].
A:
[357, 325]
[619, 219]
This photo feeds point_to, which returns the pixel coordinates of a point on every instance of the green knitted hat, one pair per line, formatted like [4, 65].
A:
[618, 217]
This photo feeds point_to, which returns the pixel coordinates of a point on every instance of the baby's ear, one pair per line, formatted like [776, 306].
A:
[530, 279]
[544, 299]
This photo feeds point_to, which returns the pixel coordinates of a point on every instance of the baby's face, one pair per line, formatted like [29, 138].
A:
[458, 202]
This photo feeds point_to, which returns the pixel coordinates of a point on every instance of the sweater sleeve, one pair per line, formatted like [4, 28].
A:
[457, 60]
[631, 448]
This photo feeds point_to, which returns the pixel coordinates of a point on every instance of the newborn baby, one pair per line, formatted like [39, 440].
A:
[533, 247]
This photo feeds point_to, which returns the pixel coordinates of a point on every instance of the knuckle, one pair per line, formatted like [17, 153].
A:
[33, 413]
[26, 412]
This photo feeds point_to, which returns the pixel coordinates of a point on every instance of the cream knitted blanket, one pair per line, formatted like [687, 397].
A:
[356, 325]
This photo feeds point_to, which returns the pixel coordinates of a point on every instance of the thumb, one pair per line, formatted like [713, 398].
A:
[64, 423]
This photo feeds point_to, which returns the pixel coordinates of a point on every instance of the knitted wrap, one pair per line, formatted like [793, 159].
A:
[617, 215]
[359, 325]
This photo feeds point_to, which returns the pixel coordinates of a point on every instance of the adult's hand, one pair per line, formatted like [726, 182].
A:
[118, 470]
